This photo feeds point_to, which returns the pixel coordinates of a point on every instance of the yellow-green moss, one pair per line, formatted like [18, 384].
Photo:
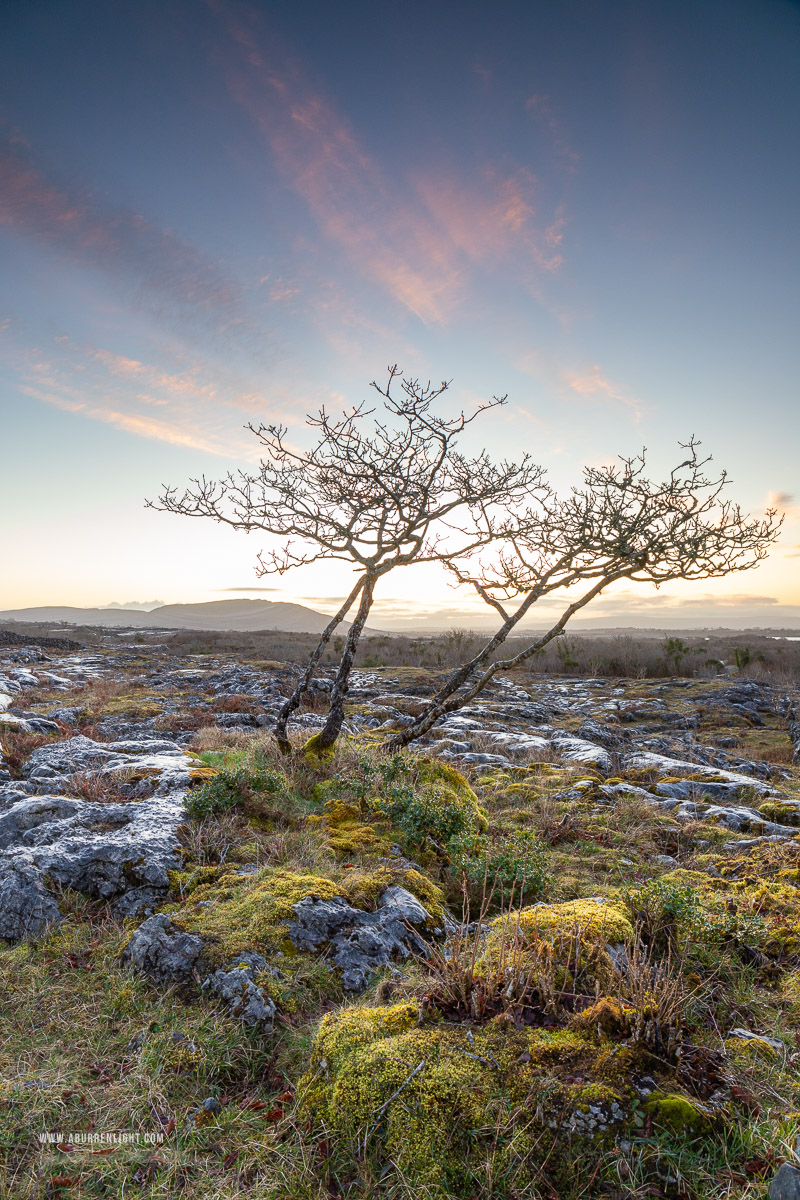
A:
[313, 751]
[782, 814]
[597, 921]
[606, 1016]
[679, 1115]
[430, 1097]
[572, 938]
[363, 888]
[752, 1047]
[347, 832]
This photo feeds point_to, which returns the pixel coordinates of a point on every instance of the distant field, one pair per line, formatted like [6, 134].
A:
[608, 653]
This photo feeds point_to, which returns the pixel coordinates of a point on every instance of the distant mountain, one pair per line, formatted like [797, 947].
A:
[241, 615]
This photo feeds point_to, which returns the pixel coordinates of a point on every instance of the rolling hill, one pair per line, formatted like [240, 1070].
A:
[241, 615]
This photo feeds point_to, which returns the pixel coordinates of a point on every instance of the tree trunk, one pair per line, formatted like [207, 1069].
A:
[446, 701]
[330, 731]
[293, 703]
[439, 705]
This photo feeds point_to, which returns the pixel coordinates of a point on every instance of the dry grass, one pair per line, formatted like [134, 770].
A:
[100, 787]
[17, 746]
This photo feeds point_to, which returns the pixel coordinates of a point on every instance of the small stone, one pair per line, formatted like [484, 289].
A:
[748, 1036]
[666, 860]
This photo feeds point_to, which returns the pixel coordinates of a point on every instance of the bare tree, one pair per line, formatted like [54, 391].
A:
[379, 492]
[618, 525]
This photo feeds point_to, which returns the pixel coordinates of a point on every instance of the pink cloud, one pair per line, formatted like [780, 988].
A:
[198, 407]
[417, 248]
[84, 229]
[592, 383]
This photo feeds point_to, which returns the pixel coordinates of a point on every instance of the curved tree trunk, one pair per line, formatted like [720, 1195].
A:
[330, 731]
[447, 700]
[293, 703]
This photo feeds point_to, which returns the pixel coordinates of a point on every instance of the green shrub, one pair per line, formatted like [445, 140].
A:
[233, 786]
[426, 801]
[518, 858]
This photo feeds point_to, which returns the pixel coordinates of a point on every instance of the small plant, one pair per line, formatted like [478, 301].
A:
[234, 786]
[656, 996]
[517, 858]
[659, 907]
[522, 974]
[428, 803]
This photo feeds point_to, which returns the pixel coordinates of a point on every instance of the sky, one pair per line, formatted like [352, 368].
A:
[215, 213]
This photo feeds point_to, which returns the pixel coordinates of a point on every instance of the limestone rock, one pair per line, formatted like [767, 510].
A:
[236, 984]
[361, 942]
[162, 952]
[26, 906]
[786, 1184]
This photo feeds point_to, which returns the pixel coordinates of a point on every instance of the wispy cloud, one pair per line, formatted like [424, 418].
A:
[183, 408]
[631, 600]
[495, 218]
[594, 384]
[417, 240]
[172, 277]
[784, 502]
[542, 108]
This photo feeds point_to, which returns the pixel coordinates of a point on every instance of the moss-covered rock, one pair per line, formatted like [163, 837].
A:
[596, 919]
[679, 1115]
[432, 1098]
[364, 887]
[348, 833]
[234, 913]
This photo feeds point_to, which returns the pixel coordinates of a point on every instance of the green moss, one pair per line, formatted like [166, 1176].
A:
[314, 752]
[347, 833]
[363, 888]
[432, 1097]
[597, 921]
[782, 814]
[679, 1115]
[749, 1048]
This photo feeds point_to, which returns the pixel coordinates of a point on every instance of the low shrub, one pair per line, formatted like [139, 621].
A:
[234, 785]
[517, 858]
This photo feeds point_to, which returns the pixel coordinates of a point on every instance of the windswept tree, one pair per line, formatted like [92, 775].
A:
[379, 489]
[618, 525]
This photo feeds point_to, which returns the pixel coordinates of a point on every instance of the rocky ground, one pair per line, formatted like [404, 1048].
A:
[552, 951]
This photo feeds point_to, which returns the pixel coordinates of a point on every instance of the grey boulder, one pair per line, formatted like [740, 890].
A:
[236, 984]
[161, 951]
[27, 909]
[361, 942]
[786, 1184]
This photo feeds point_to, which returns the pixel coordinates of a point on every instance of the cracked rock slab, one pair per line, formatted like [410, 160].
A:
[236, 984]
[27, 908]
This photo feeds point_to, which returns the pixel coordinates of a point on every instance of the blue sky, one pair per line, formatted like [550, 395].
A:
[212, 213]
